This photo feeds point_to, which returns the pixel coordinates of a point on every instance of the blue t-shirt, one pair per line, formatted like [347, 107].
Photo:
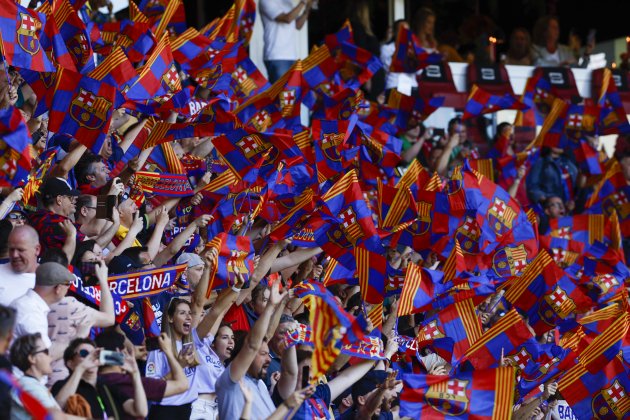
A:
[231, 401]
[316, 407]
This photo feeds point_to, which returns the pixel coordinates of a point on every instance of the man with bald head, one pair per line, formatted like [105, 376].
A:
[18, 275]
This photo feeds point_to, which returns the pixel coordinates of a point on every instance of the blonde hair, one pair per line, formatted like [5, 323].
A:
[167, 328]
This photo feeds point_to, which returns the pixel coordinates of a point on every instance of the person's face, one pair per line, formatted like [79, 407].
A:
[127, 209]
[67, 205]
[519, 40]
[278, 337]
[89, 211]
[392, 254]
[224, 343]
[23, 253]
[555, 208]
[553, 31]
[508, 132]
[260, 303]
[95, 255]
[17, 219]
[258, 368]
[428, 28]
[434, 156]
[182, 319]
[81, 352]
[100, 174]
[193, 275]
[40, 359]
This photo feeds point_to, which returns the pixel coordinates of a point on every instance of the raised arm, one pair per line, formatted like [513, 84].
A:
[210, 323]
[138, 406]
[106, 316]
[294, 258]
[253, 341]
[261, 269]
[180, 240]
[158, 231]
[63, 168]
[178, 382]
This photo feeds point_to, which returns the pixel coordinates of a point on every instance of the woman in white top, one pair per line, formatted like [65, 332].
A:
[193, 345]
[31, 356]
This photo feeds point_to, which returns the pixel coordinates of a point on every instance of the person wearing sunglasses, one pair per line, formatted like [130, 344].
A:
[79, 390]
[29, 353]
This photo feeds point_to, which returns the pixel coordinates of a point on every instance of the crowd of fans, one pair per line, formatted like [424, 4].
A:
[196, 352]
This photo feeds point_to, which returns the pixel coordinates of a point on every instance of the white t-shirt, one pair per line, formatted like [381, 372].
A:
[210, 370]
[280, 38]
[13, 285]
[158, 367]
[31, 317]
[560, 410]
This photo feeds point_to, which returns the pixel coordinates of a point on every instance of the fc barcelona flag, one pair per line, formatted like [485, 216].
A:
[15, 148]
[599, 395]
[346, 207]
[481, 102]
[20, 31]
[159, 75]
[476, 395]
[409, 56]
[236, 255]
[82, 108]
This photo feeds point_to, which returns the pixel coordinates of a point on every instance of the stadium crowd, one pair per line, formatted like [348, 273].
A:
[174, 243]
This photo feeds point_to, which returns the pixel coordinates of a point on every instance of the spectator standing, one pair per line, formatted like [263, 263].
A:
[18, 275]
[281, 21]
[52, 281]
[547, 50]
[520, 50]
[554, 174]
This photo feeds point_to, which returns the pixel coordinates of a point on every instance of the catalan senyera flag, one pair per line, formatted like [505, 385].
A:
[20, 31]
[467, 395]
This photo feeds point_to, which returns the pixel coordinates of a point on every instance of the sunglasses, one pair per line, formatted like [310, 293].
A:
[45, 351]
[17, 216]
[83, 353]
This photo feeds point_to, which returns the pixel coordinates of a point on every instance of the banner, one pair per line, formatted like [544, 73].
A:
[168, 185]
[145, 283]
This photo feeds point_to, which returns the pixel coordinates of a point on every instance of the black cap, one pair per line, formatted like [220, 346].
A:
[121, 264]
[53, 187]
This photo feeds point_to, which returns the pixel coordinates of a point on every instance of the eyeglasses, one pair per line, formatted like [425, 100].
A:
[72, 199]
[17, 216]
[45, 351]
[90, 207]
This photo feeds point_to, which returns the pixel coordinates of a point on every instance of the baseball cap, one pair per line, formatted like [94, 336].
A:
[121, 264]
[192, 260]
[54, 187]
[52, 274]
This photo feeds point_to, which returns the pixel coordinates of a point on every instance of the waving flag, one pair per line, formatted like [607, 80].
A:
[351, 219]
[546, 294]
[481, 102]
[20, 31]
[332, 154]
[15, 148]
[32, 405]
[478, 394]
[236, 255]
[409, 56]
[503, 338]
[411, 110]
[590, 395]
[82, 108]
[159, 75]
[118, 71]
[74, 34]
[613, 118]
